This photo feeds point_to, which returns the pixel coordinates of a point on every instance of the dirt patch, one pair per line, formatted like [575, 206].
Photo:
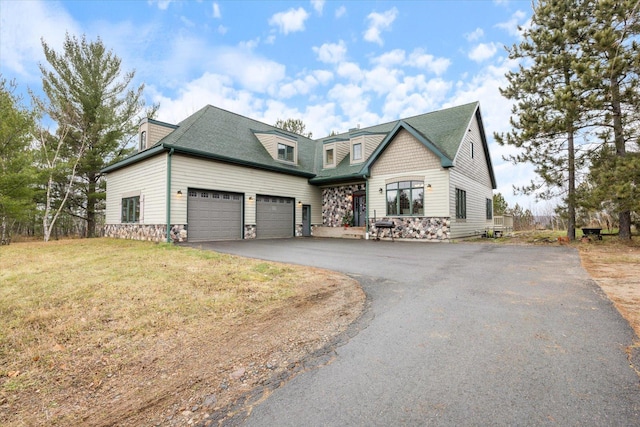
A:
[616, 268]
[206, 372]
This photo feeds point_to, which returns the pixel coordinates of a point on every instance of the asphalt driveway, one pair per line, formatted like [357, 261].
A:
[460, 334]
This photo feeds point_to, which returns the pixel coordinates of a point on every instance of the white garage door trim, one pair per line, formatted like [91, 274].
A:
[274, 217]
[214, 215]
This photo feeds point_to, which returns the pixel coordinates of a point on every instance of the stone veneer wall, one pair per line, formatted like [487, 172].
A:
[299, 229]
[336, 203]
[149, 232]
[250, 231]
[427, 228]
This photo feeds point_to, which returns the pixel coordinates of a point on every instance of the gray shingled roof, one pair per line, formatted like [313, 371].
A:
[219, 134]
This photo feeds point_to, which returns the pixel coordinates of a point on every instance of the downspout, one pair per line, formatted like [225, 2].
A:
[366, 204]
[169, 195]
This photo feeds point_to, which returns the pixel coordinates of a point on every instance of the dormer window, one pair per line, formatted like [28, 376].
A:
[329, 156]
[286, 152]
[143, 140]
[357, 152]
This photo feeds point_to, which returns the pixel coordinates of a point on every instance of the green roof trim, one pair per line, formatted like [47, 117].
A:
[444, 160]
[135, 158]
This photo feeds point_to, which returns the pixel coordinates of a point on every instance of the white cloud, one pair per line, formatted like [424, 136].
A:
[318, 5]
[20, 36]
[289, 21]
[323, 76]
[216, 11]
[390, 59]
[302, 86]
[415, 95]
[483, 51]
[214, 89]
[251, 71]
[511, 26]
[350, 70]
[379, 22]
[437, 66]
[475, 35]
[381, 80]
[162, 4]
[417, 59]
[331, 53]
[222, 29]
[340, 12]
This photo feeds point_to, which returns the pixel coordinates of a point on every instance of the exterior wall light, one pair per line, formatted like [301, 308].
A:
[429, 189]
[380, 190]
[179, 194]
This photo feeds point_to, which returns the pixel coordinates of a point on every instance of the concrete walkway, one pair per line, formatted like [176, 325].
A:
[460, 334]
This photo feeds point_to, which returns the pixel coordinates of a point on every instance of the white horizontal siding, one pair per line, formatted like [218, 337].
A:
[148, 178]
[189, 172]
[477, 194]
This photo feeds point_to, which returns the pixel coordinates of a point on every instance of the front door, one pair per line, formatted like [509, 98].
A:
[306, 220]
[359, 210]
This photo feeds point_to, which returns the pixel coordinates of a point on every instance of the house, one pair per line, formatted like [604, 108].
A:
[218, 175]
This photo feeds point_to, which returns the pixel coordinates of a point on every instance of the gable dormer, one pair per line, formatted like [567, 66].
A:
[152, 131]
[281, 147]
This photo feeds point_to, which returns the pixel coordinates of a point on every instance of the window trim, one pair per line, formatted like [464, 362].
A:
[412, 186]
[143, 141]
[285, 146]
[126, 204]
[353, 152]
[326, 149]
[360, 140]
[461, 204]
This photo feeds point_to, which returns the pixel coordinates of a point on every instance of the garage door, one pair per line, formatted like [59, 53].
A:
[274, 217]
[214, 215]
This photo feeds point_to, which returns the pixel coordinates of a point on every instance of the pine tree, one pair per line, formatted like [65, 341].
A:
[610, 68]
[88, 95]
[548, 116]
[17, 175]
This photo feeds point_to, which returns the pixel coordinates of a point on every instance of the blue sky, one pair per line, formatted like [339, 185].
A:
[333, 64]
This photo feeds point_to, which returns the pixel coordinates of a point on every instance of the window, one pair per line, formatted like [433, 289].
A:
[405, 198]
[285, 152]
[130, 209]
[143, 140]
[329, 159]
[489, 208]
[357, 151]
[461, 204]
[471, 148]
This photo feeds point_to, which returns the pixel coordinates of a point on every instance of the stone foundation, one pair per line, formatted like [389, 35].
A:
[250, 231]
[148, 232]
[337, 202]
[424, 228]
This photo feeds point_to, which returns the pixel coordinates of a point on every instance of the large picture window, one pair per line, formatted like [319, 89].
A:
[131, 209]
[461, 204]
[405, 198]
[285, 152]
